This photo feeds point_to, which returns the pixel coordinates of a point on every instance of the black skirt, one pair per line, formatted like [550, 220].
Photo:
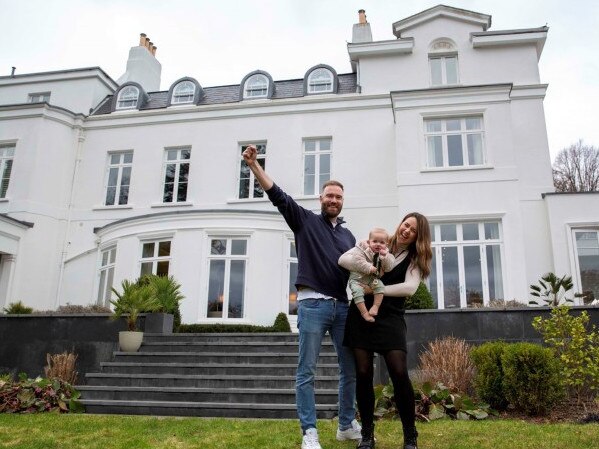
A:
[388, 331]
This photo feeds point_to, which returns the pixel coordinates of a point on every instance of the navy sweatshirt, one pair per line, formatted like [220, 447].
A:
[318, 244]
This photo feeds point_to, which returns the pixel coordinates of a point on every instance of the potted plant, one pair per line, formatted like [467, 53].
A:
[133, 300]
[167, 292]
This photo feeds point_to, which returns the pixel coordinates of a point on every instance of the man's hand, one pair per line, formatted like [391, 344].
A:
[250, 154]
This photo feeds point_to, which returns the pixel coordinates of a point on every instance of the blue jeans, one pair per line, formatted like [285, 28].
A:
[314, 318]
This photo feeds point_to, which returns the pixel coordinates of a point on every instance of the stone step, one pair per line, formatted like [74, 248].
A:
[211, 357]
[213, 368]
[203, 409]
[208, 381]
[204, 394]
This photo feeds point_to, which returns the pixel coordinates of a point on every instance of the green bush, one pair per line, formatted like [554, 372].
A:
[18, 308]
[576, 346]
[488, 381]
[531, 377]
[281, 323]
[421, 299]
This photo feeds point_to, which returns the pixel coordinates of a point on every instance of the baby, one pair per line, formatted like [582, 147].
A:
[373, 260]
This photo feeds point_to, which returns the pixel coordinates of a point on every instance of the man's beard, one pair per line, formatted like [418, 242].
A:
[324, 207]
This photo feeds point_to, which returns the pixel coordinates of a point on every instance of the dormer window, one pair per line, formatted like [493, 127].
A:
[256, 86]
[183, 92]
[443, 63]
[128, 98]
[320, 81]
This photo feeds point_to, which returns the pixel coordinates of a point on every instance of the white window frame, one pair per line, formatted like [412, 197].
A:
[444, 69]
[183, 98]
[482, 243]
[256, 86]
[128, 98]
[228, 258]
[39, 97]
[7, 156]
[177, 162]
[120, 166]
[463, 132]
[317, 153]
[316, 81]
[155, 258]
[578, 274]
[254, 188]
[106, 275]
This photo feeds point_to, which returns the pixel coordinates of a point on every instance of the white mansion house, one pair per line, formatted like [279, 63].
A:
[105, 180]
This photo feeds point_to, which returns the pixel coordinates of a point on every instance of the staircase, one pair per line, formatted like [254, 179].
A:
[211, 375]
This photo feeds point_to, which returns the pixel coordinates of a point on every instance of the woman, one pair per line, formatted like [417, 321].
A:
[411, 246]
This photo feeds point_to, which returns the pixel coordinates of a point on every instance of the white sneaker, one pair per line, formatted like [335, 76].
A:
[353, 433]
[310, 439]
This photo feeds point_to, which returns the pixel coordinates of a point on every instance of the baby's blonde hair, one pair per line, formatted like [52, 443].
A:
[379, 231]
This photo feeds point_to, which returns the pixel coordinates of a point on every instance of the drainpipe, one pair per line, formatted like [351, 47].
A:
[65, 244]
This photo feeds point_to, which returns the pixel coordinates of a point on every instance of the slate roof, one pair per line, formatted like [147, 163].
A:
[230, 94]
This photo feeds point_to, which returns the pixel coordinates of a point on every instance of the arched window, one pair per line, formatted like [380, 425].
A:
[128, 98]
[256, 86]
[443, 62]
[320, 81]
[183, 92]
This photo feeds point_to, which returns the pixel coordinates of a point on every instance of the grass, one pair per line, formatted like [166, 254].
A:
[49, 431]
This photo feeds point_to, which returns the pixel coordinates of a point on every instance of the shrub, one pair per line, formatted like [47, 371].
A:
[281, 323]
[89, 308]
[61, 366]
[18, 308]
[73, 309]
[488, 381]
[447, 361]
[38, 395]
[531, 377]
[421, 299]
[575, 345]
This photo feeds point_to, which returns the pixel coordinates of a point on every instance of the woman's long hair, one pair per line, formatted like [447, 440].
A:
[419, 251]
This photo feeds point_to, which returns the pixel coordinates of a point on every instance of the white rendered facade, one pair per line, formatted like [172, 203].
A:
[446, 120]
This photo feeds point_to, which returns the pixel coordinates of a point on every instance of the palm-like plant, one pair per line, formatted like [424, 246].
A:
[552, 290]
[166, 290]
[133, 300]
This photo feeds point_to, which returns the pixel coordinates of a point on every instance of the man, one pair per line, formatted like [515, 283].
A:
[322, 297]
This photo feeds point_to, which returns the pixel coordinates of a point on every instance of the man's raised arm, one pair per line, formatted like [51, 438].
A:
[250, 156]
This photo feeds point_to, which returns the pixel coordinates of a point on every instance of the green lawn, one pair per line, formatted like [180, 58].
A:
[48, 431]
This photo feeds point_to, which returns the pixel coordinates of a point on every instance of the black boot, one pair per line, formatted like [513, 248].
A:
[367, 441]
[409, 438]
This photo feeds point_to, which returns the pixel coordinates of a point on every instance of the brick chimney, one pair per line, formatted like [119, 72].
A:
[142, 65]
[361, 30]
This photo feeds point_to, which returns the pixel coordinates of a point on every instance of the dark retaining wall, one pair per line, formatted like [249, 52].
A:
[476, 326]
[26, 339]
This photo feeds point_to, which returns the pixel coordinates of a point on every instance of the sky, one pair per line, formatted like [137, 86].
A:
[219, 41]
